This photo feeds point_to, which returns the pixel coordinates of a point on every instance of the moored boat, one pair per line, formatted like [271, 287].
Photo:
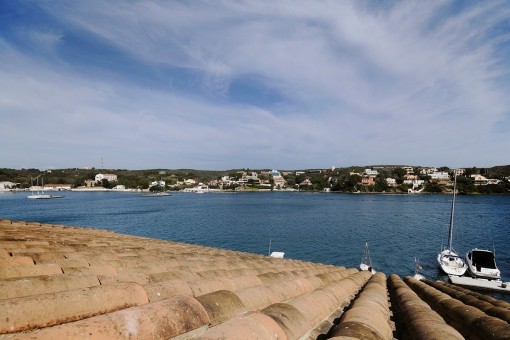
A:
[40, 196]
[449, 260]
[157, 194]
[482, 264]
[366, 261]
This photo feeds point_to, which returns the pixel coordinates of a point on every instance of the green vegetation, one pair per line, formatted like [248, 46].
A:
[335, 180]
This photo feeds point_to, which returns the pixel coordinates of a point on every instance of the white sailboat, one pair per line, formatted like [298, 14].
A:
[275, 254]
[366, 261]
[39, 195]
[417, 268]
[449, 260]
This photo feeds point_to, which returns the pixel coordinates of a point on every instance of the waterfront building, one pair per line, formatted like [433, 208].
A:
[57, 187]
[109, 177]
[279, 181]
[6, 186]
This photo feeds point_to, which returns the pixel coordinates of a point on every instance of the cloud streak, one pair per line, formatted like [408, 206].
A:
[218, 85]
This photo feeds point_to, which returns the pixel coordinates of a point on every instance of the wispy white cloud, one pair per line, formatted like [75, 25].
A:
[409, 82]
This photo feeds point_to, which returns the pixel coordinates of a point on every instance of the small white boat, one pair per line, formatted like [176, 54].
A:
[417, 268]
[40, 196]
[277, 254]
[449, 260]
[158, 194]
[482, 264]
[366, 261]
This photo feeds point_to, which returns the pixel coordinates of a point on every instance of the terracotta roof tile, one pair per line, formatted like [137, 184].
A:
[60, 282]
[43, 310]
[13, 261]
[29, 270]
[158, 320]
[468, 320]
[369, 315]
[414, 316]
[249, 326]
[166, 289]
[221, 306]
[26, 286]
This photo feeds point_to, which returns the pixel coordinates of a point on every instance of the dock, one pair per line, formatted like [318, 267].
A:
[480, 284]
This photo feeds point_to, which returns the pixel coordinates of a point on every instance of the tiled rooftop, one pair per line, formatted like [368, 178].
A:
[60, 282]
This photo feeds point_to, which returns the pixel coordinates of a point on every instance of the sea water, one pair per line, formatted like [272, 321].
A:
[327, 228]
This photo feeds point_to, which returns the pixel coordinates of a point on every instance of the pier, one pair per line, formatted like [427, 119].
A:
[63, 282]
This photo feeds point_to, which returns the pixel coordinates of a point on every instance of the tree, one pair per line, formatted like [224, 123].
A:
[471, 171]
[433, 187]
[398, 174]
[380, 184]
[107, 184]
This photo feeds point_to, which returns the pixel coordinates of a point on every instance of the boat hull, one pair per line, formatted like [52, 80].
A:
[40, 197]
[451, 263]
[482, 264]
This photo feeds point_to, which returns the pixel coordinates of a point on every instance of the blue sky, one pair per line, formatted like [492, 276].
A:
[254, 84]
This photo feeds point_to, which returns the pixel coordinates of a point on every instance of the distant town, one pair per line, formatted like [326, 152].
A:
[369, 179]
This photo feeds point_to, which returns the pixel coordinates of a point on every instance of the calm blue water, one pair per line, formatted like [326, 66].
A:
[325, 228]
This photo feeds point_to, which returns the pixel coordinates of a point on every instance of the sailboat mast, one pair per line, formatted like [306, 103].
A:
[450, 233]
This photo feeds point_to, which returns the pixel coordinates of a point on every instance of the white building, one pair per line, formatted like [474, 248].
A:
[414, 182]
[278, 180]
[392, 182]
[57, 187]
[200, 188]
[157, 183]
[371, 173]
[439, 175]
[482, 180]
[190, 181]
[109, 177]
[6, 186]
[428, 171]
[409, 169]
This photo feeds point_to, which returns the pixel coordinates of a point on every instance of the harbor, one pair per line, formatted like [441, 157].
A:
[323, 228]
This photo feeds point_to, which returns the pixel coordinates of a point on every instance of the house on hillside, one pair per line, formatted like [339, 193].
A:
[427, 171]
[439, 176]
[278, 180]
[367, 181]
[482, 180]
[409, 169]
[392, 182]
[410, 177]
[306, 182]
[371, 173]
[109, 177]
